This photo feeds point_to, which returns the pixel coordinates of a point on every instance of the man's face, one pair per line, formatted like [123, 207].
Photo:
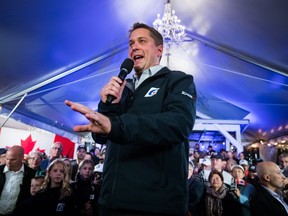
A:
[56, 150]
[283, 162]
[276, 178]
[81, 154]
[216, 163]
[143, 51]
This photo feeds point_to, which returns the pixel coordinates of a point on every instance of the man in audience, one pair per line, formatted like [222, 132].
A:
[15, 180]
[3, 155]
[268, 199]
[80, 154]
[196, 193]
[283, 163]
[55, 152]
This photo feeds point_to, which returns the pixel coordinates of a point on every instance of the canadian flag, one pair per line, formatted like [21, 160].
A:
[33, 140]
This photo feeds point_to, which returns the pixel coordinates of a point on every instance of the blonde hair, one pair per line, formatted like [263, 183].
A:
[65, 188]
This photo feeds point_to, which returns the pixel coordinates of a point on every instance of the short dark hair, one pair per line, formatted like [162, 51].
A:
[153, 32]
[213, 172]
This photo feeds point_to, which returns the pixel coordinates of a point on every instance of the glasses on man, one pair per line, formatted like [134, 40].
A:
[34, 158]
[56, 148]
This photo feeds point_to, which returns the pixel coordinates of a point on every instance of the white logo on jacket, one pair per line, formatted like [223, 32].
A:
[152, 91]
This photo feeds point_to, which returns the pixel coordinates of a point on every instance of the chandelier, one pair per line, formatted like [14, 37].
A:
[169, 26]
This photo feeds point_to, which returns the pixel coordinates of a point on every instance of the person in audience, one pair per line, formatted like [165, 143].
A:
[3, 155]
[55, 152]
[245, 165]
[15, 180]
[68, 163]
[97, 155]
[88, 156]
[217, 199]
[204, 171]
[55, 197]
[224, 164]
[268, 199]
[252, 177]
[197, 148]
[80, 154]
[98, 174]
[86, 192]
[224, 154]
[36, 184]
[229, 164]
[244, 191]
[196, 159]
[34, 162]
[146, 132]
[283, 163]
[210, 150]
[216, 164]
[196, 194]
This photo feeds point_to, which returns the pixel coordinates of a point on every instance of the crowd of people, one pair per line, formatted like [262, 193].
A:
[214, 188]
[229, 185]
[33, 184]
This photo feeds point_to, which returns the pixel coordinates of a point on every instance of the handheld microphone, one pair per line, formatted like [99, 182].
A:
[125, 69]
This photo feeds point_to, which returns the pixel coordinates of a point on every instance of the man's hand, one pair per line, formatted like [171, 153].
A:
[114, 87]
[99, 124]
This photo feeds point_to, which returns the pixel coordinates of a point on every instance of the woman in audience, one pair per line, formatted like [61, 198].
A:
[218, 201]
[68, 163]
[34, 162]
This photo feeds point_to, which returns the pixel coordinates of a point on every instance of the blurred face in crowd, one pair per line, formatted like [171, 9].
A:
[216, 182]
[275, 177]
[190, 170]
[241, 156]
[68, 165]
[216, 164]
[3, 159]
[237, 173]
[34, 160]
[88, 157]
[36, 185]
[81, 154]
[56, 173]
[283, 162]
[56, 150]
[86, 169]
[270, 175]
[14, 158]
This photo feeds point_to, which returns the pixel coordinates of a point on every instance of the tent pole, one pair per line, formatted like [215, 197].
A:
[19, 102]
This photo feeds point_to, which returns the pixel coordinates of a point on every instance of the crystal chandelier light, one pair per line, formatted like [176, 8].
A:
[169, 26]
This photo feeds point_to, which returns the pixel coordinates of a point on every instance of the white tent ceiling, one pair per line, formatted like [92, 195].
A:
[56, 50]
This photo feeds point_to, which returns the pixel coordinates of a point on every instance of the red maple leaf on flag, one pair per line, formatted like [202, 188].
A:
[40, 150]
[28, 144]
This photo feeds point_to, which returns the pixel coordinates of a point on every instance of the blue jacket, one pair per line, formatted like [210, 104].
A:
[146, 164]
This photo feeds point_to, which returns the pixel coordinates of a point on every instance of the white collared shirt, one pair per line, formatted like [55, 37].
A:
[11, 190]
[145, 74]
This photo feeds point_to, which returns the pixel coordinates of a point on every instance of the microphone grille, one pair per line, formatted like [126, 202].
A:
[127, 64]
